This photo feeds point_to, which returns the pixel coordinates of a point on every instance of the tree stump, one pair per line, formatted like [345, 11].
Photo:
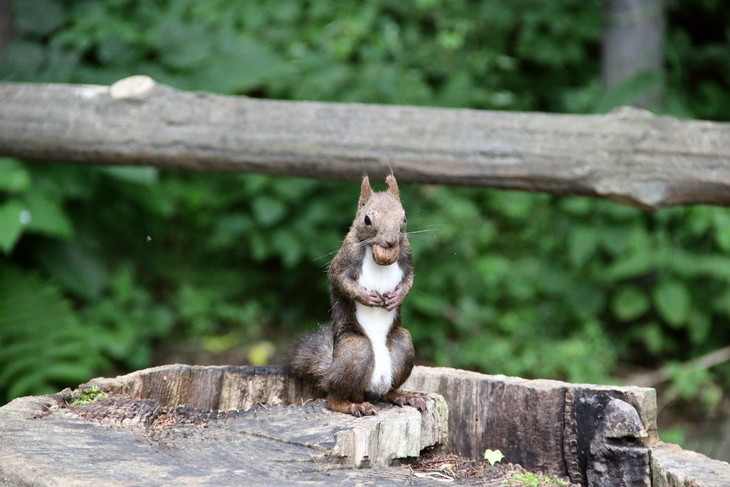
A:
[191, 425]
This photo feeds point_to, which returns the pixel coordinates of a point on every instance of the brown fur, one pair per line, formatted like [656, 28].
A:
[338, 358]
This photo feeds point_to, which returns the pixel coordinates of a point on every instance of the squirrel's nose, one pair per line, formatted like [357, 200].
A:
[390, 242]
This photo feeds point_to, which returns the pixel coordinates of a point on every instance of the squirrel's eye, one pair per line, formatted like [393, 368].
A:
[405, 218]
[367, 221]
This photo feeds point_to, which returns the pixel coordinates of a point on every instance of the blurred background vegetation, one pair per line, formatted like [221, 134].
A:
[107, 269]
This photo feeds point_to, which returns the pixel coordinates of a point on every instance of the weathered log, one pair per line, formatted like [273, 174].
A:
[629, 156]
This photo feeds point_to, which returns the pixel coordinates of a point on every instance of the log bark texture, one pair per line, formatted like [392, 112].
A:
[630, 155]
[551, 426]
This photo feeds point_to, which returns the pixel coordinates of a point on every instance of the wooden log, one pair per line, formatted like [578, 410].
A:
[630, 156]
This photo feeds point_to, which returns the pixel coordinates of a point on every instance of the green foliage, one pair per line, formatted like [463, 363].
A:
[110, 261]
[699, 74]
[535, 480]
[26, 208]
[44, 345]
[66, 311]
[86, 396]
[374, 51]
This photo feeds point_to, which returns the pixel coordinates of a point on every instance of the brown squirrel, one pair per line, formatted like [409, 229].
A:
[365, 354]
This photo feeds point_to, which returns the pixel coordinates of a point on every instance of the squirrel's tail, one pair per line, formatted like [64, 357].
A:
[311, 356]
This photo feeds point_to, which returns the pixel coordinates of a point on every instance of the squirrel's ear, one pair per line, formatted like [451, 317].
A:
[392, 185]
[365, 191]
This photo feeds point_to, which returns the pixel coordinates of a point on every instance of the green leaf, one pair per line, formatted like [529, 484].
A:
[582, 244]
[38, 17]
[651, 336]
[699, 326]
[516, 205]
[288, 247]
[20, 366]
[13, 217]
[239, 63]
[22, 60]
[267, 210]
[260, 353]
[577, 205]
[32, 383]
[493, 456]
[47, 215]
[132, 174]
[14, 177]
[36, 321]
[629, 303]
[722, 229]
[673, 302]
[631, 266]
[183, 46]
[78, 270]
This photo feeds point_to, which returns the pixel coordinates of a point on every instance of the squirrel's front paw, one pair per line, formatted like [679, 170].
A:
[394, 299]
[373, 299]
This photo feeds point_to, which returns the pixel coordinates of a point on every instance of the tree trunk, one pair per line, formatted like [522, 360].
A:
[633, 51]
[6, 25]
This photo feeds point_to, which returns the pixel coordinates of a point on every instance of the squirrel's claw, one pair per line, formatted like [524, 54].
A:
[401, 399]
[362, 409]
[357, 409]
[394, 299]
[373, 299]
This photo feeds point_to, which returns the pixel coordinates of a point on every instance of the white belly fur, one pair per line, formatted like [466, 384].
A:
[376, 322]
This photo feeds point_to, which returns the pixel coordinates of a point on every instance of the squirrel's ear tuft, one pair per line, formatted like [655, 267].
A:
[365, 191]
[392, 185]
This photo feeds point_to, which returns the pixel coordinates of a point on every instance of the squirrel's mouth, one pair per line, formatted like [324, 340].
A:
[385, 255]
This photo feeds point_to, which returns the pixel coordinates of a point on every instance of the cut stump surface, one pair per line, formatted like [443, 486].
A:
[129, 439]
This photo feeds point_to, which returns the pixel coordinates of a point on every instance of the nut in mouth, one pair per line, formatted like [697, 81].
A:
[385, 255]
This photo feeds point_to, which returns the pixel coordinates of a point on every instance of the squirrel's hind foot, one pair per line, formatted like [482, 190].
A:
[415, 399]
[348, 407]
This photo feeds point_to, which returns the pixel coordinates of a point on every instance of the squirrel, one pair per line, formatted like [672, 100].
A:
[365, 354]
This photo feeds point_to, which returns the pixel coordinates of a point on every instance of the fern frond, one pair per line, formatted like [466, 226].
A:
[43, 347]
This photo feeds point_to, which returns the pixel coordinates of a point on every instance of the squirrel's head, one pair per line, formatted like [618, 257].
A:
[381, 220]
